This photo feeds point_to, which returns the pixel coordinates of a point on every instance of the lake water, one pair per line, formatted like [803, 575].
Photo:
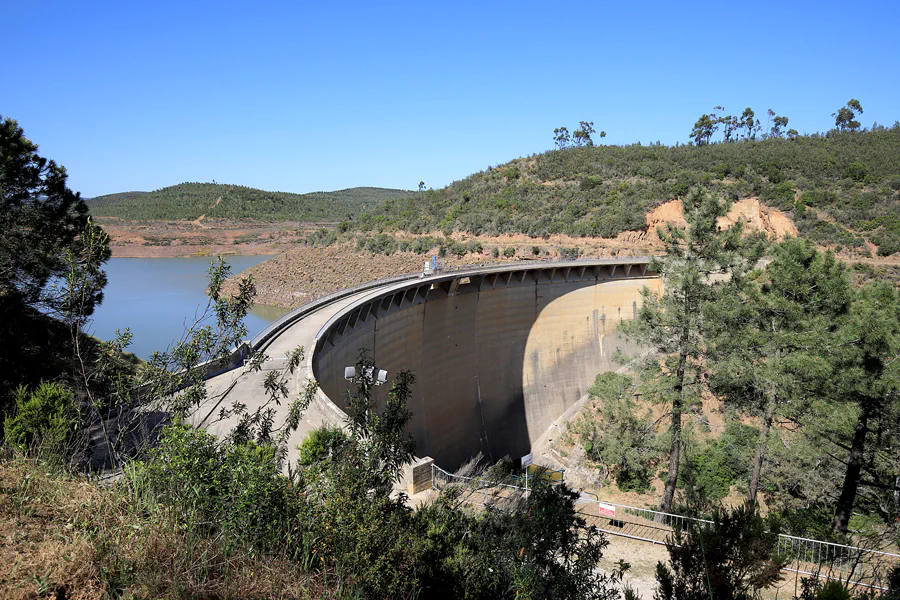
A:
[158, 297]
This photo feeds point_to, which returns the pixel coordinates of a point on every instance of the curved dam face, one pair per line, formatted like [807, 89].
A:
[497, 355]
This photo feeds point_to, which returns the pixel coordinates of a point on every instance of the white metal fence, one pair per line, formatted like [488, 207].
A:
[815, 558]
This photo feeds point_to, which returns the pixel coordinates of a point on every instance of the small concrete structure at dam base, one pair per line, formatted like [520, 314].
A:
[498, 352]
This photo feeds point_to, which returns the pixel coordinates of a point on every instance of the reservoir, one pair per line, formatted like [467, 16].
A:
[158, 298]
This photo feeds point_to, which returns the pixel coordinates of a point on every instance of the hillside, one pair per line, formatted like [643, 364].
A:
[191, 201]
[840, 189]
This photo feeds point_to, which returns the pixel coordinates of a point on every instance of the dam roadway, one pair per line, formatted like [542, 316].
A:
[498, 352]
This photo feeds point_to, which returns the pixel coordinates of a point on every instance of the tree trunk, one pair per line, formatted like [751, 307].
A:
[760, 453]
[851, 478]
[897, 494]
[668, 496]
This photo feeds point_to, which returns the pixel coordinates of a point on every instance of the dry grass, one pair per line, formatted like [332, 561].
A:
[63, 536]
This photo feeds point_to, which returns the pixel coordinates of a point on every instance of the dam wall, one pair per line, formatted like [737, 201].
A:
[497, 355]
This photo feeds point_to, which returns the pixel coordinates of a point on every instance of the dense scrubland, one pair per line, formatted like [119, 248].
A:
[840, 188]
[769, 400]
[221, 201]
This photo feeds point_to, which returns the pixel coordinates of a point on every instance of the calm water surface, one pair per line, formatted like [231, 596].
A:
[158, 297]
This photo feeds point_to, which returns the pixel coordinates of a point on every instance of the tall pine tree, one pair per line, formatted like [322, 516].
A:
[769, 337]
[868, 376]
[699, 258]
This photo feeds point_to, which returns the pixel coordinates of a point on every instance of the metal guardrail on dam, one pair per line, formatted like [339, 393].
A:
[498, 351]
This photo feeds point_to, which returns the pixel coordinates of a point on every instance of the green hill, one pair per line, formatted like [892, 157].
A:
[190, 200]
[839, 188]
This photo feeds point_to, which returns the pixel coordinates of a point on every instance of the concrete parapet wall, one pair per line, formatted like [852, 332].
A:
[497, 356]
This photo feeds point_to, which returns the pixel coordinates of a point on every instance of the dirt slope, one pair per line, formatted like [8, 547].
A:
[756, 216]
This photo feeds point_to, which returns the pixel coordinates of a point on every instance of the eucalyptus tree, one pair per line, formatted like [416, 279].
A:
[561, 137]
[582, 135]
[699, 259]
[749, 123]
[704, 129]
[769, 335]
[845, 117]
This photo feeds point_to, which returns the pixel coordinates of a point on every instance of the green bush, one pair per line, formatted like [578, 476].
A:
[569, 253]
[590, 182]
[321, 443]
[381, 244]
[857, 171]
[321, 238]
[509, 252]
[719, 464]
[424, 244]
[625, 443]
[731, 559]
[474, 247]
[234, 489]
[47, 417]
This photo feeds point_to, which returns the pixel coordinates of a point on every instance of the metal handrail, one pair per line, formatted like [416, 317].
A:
[833, 556]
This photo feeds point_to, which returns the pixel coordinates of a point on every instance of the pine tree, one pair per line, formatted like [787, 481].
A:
[698, 259]
[869, 378]
[40, 217]
[769, 337]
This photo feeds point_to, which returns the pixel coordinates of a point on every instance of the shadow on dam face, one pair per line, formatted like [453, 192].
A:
[496, 358]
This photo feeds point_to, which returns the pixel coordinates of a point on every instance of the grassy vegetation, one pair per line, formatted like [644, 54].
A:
[190, 200]
[840, 189]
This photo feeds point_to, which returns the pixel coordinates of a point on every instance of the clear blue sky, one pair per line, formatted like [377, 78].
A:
[325, 95]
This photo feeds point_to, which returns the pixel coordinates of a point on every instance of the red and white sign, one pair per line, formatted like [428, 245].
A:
[606, 510]
[527, 460]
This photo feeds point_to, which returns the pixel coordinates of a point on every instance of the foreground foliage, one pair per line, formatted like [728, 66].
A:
[731, 559]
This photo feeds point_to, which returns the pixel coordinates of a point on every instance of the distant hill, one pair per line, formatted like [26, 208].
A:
[838, 188]
[191, 200]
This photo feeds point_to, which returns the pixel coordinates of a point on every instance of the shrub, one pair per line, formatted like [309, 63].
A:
[321, 238]
[234, 489]
[321, 443]
[474, 247]
[422, 245]
[534, 547]
[47, 417]
[719, 464]
[731, 559]
[569, 253]
[621, 441]
[495, 252]
[509, 252]
[511, 174]
[457, 249]
[381, 244]
[535, 251]
[590, 182]
[857, 171]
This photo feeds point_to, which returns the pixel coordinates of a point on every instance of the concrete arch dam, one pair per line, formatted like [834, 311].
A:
[498, 352]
